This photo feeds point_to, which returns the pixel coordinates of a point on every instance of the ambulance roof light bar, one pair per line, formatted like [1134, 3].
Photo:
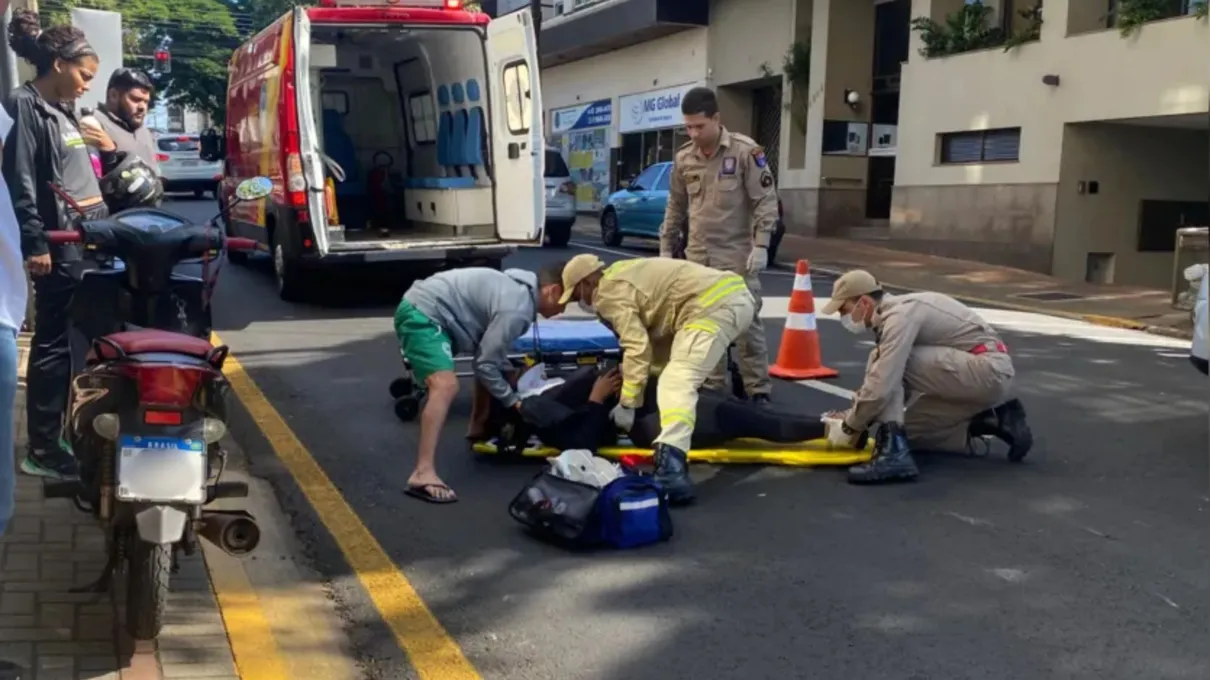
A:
[434, 4]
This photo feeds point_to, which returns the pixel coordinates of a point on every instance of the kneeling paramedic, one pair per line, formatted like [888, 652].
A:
[473, 310]
[670, 313]
[944, 359]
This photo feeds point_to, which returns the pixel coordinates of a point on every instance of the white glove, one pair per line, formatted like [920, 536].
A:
[758, 259]
[622, 417]
[837, 437]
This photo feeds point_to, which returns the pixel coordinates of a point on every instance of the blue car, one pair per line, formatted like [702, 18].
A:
[638, 210]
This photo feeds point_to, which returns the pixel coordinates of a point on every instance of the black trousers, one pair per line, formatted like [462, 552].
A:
[49, 370]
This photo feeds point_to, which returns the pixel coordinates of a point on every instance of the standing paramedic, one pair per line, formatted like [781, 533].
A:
[47, 145]
[937, 376]
[722, 185]
[470, 311]
[670, 313]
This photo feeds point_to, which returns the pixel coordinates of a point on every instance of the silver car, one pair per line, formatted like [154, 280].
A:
[182, 169]
[560, 199]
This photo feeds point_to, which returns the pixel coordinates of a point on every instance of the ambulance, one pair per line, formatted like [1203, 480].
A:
[405, 134]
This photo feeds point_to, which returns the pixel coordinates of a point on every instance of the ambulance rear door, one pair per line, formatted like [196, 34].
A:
[518, 154]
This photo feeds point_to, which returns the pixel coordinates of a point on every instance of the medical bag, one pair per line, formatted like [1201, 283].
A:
[629, 512]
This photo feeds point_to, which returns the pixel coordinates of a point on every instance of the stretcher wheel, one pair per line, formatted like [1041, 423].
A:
[407, 408]
[401, 387]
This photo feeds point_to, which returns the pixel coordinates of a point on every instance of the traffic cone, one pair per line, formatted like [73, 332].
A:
[798, 357]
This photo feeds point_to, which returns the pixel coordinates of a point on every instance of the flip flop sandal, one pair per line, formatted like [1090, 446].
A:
[421, 491]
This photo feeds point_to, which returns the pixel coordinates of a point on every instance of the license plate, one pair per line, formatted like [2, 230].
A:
[189, 164]
[586, 361]
[161, 469]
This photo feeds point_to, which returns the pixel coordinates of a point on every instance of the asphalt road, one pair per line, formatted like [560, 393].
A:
[1092, 560]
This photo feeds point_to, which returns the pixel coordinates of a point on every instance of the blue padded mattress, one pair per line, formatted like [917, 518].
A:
[567, 335]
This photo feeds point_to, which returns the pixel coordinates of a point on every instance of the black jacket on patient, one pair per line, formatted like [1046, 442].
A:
[566, 419]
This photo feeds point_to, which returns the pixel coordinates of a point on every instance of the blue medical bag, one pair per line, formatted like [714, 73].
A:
[629, 512]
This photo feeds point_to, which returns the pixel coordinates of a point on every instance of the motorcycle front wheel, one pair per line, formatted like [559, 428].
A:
[149, 569]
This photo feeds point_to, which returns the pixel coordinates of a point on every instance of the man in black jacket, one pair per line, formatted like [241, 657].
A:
[575, 415]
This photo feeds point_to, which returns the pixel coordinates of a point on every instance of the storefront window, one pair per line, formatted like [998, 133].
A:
[643, 149]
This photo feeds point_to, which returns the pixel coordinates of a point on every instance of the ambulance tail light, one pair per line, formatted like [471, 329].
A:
[568, 188]
[453, 4]
[296, 184]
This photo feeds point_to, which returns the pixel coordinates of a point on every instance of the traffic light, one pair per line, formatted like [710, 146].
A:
[163, 61]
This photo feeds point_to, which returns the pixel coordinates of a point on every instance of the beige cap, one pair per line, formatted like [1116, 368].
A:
[850, 285]
[576, 270]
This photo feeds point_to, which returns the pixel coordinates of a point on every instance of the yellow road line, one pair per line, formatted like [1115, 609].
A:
[430, 648]
[252, 644]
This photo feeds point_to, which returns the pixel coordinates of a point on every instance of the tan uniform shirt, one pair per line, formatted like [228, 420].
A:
[647, 301]
[906, 321]
[729, 200]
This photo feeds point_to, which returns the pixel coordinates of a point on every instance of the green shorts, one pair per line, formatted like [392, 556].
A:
[422, 342]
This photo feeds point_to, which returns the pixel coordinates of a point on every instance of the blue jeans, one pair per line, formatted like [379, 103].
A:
[8, 395]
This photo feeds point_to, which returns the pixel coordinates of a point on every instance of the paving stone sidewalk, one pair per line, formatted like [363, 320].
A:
[54, 634]
[1111, 305]
[1105, 304]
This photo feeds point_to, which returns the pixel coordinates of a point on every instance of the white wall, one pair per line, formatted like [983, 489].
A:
[673, 60]
[1130, 163]
[104, 31]
[1162, 70]
[746, 35]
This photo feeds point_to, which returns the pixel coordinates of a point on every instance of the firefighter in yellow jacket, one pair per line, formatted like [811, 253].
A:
[673, 317]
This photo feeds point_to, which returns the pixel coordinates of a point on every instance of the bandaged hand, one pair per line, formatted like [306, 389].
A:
[758, 259]
[839, 436]
[622, 417]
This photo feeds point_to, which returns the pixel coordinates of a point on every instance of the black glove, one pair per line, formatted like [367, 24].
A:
[543, 413]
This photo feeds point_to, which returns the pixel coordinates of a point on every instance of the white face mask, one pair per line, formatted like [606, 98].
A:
[852, 325]
[586, 308]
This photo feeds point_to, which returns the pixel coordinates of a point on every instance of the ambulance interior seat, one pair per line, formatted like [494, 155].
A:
[451, 144]
[339, 146]
[476, 132]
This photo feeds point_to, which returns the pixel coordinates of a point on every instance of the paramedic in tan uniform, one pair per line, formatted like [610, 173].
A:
[721, 184]
[942, 358]
[671, 315]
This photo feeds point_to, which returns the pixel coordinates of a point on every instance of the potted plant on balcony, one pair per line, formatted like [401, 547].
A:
[1130, 15]
[965, 30]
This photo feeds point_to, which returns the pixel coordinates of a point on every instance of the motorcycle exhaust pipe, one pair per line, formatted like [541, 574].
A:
[234, 531]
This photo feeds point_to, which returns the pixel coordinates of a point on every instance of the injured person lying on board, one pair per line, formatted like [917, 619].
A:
[573, 413]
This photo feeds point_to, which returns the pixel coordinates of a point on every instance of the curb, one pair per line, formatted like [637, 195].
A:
[1094, 319]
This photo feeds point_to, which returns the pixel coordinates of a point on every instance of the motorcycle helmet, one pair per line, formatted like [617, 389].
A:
[131, 184]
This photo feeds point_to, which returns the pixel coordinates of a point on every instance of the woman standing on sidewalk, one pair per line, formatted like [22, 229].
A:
[48, 145]
[13, 293]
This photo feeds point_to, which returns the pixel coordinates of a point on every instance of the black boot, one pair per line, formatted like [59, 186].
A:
[1015, 430]
[672, 473]
[1007, 423]
[892, 460]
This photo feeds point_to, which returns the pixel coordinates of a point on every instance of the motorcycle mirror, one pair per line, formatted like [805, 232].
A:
[253, 189]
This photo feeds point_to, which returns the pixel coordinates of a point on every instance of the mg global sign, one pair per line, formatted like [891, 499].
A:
[651, 110]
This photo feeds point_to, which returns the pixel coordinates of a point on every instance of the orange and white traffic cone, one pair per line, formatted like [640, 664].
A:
[798, 357]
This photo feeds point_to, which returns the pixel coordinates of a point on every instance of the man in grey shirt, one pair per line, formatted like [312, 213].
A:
[127, 98]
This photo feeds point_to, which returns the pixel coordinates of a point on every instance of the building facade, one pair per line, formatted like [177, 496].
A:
[1070, 139]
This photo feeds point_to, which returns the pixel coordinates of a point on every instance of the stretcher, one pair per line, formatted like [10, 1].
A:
[814, 453]
[562, 344]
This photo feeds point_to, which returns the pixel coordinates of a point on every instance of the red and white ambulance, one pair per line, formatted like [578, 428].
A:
[403, 133]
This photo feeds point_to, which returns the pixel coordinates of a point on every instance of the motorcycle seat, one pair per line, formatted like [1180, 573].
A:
[150, 341]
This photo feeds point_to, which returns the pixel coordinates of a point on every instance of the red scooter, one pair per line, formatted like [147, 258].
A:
[147, 408]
